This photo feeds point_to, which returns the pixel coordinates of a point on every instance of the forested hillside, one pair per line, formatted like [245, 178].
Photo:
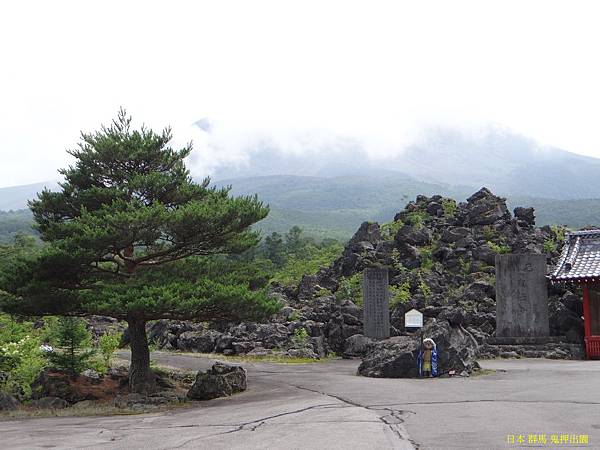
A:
[15, 222]
[335, 207]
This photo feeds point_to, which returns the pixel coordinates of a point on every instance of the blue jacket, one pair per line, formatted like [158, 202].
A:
[434, 368]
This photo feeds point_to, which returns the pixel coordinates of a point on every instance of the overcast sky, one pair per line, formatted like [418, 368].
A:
[375, 71]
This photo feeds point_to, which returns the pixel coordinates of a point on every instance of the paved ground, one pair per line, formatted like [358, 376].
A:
[327, 406]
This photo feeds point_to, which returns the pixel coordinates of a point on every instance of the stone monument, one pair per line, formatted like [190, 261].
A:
[521, 297]
[376, 303]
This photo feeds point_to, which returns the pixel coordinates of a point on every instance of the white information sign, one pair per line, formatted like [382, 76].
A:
[413, 319]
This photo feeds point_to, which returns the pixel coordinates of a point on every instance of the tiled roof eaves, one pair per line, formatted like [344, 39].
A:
[574, 241]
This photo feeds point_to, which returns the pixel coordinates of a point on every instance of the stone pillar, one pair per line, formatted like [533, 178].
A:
[376, 303]
[521, 296]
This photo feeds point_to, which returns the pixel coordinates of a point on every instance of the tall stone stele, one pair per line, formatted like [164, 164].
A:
[376, 303]
[521, 296]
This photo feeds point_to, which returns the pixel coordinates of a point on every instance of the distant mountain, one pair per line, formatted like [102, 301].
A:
[508, 163]
[16, 197]
[336, 206]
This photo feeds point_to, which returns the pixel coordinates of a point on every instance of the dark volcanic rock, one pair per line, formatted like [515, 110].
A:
[198, 341]
[454, 234]
[360, 250]
[50, 403]
[55, 384]
[407, 234]
[525, 216]
[8, 402]
[485, 208]
[221, 380]
[565, 317]
[356, 346]
[397, 357]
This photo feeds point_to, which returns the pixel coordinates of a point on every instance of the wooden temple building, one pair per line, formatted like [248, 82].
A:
[579, 263]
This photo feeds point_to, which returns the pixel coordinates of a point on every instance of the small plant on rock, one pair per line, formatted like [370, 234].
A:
[465, 266]
[550, 246]
[559, 233]
[449, 207]
[300, 338]
[350, 288]
[322, 292]
[498, 248]
[397, 261]
[390, 229]
[488, 232]
[399, 294]
[424, 287]
[418, 218]
[427, 262]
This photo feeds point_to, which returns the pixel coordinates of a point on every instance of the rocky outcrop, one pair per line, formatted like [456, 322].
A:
[141, 402]
[8, 402]
[307, 329]
[440, 255]
[565, 317]
[221, 380]
[356, 346]
[198, 341]
[397, 357]
[49, 403]
[486, 209]
[54, 385]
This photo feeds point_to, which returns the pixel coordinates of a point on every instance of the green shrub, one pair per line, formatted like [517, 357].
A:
[323, 292]
[72, 345]
[20, 356]
[559, 231]
[498, 248]
[449, 207]
[108, 345]
[427, 262]
[550, 246]
[390, 229]
[399, 294]
[397, 261]
[465, 266]
[488, 232]
[417, 218]
[424, 287]
[300, 338]
[351, 288]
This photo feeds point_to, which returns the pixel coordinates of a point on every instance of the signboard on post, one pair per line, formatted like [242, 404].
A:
[413, 319]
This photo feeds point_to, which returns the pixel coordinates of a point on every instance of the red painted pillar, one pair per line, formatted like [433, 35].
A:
[587, 323]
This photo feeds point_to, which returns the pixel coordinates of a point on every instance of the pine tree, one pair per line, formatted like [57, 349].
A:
[72, 345]
[127, 216]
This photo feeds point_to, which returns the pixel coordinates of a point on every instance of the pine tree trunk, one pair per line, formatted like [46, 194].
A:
[141, 378]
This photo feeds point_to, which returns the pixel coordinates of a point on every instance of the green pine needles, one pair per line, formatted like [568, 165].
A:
[72, 343]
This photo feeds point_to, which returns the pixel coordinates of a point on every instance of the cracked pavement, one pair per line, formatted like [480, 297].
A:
[326, 406]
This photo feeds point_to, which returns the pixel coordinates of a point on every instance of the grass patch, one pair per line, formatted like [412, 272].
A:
[279, 359]
[26, 412]
[483, 372]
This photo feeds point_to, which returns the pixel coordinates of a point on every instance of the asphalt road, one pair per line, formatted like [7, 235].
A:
[326, 406]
